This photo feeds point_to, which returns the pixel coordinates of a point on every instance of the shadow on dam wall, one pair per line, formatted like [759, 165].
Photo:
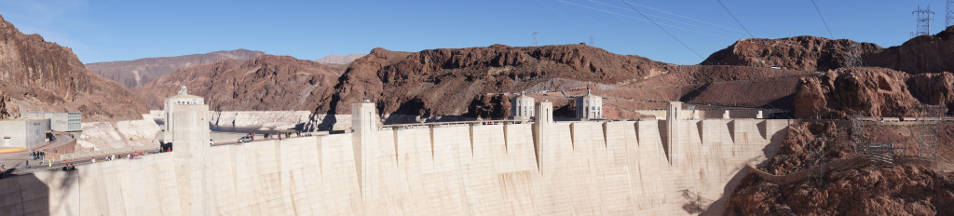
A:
[720, 206]
[28, 195]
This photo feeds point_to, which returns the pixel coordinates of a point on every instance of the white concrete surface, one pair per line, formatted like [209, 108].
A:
[575, 168]
[106, 136]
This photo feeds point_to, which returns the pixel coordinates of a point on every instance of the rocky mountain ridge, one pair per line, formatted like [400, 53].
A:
[265, 82]
[135, 73]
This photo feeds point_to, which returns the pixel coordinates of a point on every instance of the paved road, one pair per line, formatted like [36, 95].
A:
[21, 159]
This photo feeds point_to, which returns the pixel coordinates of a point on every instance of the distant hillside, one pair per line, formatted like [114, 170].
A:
[339, 59]
[36, 75]
[134, 73]
[265, 82]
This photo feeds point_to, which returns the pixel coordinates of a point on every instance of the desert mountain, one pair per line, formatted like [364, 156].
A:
[474, 82]
[922, 54]
[339, 59]
[135, 73]
[444, 81]
[36, 75]
[265, 82]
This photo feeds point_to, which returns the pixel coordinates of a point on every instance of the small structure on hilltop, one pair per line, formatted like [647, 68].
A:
[182, 98]
[522, 107]
[59, 121]
[589, 106]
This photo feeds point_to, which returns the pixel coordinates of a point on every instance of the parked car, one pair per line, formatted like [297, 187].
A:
[245, 139]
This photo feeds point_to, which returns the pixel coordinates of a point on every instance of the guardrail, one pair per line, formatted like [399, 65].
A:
[455, 122]
[118, 151]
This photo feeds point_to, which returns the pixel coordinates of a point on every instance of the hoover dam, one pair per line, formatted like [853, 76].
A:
[650, 167]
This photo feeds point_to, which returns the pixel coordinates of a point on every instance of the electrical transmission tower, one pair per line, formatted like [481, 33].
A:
[923, 20]
[949, 14]
[535, 38]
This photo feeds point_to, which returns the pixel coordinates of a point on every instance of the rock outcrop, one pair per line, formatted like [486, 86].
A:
[922, 54]
[909, 188]
[853, 91]
[135, 73]
[870, 91]
[798, 53]
[7, 111]
[933, 89]
[36, 75]
[262, 83]
[443, 82]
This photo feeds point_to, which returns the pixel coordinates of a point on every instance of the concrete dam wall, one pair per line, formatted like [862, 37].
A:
[557, 168]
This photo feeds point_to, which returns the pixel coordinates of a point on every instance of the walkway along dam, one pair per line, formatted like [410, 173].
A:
[650, 167]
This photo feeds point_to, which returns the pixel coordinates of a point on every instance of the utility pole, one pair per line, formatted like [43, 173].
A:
[922, 20]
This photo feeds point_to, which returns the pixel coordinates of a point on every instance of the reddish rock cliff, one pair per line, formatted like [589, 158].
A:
[798, 53]
[923, 54]
[36, 75]
[445, 81]
[855, 91]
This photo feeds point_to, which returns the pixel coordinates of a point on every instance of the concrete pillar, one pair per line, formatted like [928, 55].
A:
[672, 130]
[725, 115]
[191, 151]
[695, 115]
[759, 115]
[544, 118]
[364, 122]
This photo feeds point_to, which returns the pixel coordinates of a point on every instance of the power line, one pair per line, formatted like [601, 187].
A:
[704, 23]
[734, 18]
[823, 19]
[661, 28]
[624, 15]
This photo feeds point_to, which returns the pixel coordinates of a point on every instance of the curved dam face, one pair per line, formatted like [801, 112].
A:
[562, 168]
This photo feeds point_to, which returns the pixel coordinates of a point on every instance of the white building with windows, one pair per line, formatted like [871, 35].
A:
[522, 107]
[589, 107]
[59, 121]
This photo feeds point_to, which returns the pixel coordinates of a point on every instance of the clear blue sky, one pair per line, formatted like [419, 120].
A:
[109, 30]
